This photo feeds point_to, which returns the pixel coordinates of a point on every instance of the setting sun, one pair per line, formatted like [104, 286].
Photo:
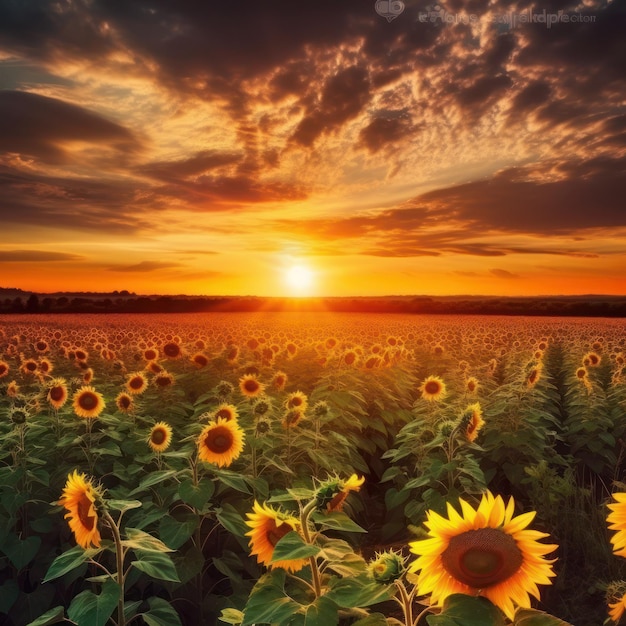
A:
[299, 279]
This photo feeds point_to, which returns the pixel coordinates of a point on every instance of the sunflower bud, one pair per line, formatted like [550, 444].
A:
[332, 493]
[387, 567]
[320, 409]
[261, 406]
[18, 415]
[224, 388]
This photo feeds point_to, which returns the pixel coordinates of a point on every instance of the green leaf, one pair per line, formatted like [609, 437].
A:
[531, 617]
[267, 602]
[373, 619]
[174, 532]
[53, 616]
[157, 565]
[89, 609]
[161, 613]
[123, 505]
[463, 610]
[292, 547]
[322, 612]
[232, 521]
[9, 591]
[22, 551]
[140, 540]
[68, 561]
[337, 521]
[130, 608]
[153, 479]
[359, 591]
[198, 495]
[233, 480]
[231, 616]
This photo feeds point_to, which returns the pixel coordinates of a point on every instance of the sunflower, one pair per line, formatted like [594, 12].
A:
[291, 418]
[534, 374]
[124, 402]
[160, 437]
[472, 421]
[29, 366]
[81, 499]
[88, 402]
[297, 400]
[226, 412]
[136, 383]
[250, 386]
[433, 389]
[41, 346]
[279, 381]
[268, 526]
[4, 369]
[592, 359]
[484, 552]
[332, 493]
[617, 521]
[13, 389]
[471, 385]
[200, 360]
[57, 393]
[150, 354]
[172, 350]
[221, 442]
[616, 599]
[45, 366]
[163, 379]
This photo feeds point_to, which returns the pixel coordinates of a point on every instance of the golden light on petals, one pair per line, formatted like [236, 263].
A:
[268, 526]
[250, 386]
[79, 497]
[485, 551]
[616, 520]
[433, 389]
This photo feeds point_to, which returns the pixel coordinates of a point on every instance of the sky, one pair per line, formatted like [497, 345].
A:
[379, 148]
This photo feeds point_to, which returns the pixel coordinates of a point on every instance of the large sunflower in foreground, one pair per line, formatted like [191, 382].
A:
[268, 526]
[485, 552]
[617, 521]
[221, 442]
[88, 402]
[80, 498]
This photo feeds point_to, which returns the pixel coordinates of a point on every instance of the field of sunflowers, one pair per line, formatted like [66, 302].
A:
[312, 470]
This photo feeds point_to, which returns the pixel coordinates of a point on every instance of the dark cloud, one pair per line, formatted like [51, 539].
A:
[30, 256]
[500, 273]
[200, 163]
[38, 126]
[384, 130]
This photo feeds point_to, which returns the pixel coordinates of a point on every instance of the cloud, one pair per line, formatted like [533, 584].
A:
[37, 256]
[39, 126]
[500, 273]
[144, 266]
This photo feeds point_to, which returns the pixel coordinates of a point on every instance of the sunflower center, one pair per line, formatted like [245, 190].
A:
[481, 558]
[56, 393]
[275, 533]
[431, 387]
[171, 349]
[219, 440]
[158, 436]
[82, 508]
[251, 386]
[88, 401]
[224, 414]
[136, 382]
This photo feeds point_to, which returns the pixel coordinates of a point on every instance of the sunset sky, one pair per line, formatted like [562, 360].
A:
[168, 147]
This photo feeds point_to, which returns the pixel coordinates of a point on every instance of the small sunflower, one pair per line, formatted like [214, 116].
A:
[250, 386]
[124, 402]
[433, 389]
[471, 385]
[200, 360]
[136, 383]
[57, 393]
[592, 359]
[472, 421]
[291, 418]
[160, 437]
[332, 493]
[81, 498]
[13, 389]
[4, 369]
[486, 551]
[163, 379]
[172, 350]
[45, 366]
[279, 380]
[268, 526]
[226, 412]
[297, 400]
[221, 442]
[88, 402]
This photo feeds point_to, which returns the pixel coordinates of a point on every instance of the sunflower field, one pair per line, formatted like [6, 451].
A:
[309, 469]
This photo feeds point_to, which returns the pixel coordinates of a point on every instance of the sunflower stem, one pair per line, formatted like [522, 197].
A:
[304, 522]
[119, 562]
[406, 601]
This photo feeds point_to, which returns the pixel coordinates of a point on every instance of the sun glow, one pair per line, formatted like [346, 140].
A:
[299, 279]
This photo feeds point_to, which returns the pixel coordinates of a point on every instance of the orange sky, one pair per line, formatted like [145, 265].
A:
[179, 148]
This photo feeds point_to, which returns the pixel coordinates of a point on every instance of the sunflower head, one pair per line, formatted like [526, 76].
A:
[221, 442]
[486, 551]
[84, 503]
[136, 383]
[57, 393]
[18, 415]
[387, 567]
[268, 526]
[160, 437]
[262, 406]
[250, 387]
[471, 421]
[4, 369]
[279, 380]
[124, 402]
[320, 409]
[224, 389]
[291, 418]
[88, 403]
[433, 389]
[297, 400]
[471, 385]
[616, 520]
[332, 493]
[226, 412]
